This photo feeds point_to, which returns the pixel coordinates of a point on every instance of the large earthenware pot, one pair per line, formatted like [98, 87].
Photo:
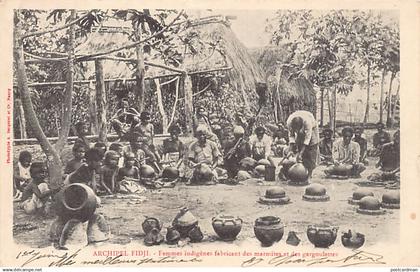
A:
[76, 201]
[170, 173]
[352, 239]
[227, 226]
[369, 203]
[342, 170]
[361, 193]
[268, 230]
[247, 164]
[275, 192]
[184, 221]
[202, 174]
[391, 197]
[315, 189]
[260, 170]
[146, 171]
[322, 235]
[151, 223]
[243, 175]
[298, 173]
[263, 162]
[287, 163]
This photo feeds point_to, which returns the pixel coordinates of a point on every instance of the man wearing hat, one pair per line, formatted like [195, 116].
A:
[236, 150]
[203, 152]
[346, 154]
[326, 146]
[304, 138]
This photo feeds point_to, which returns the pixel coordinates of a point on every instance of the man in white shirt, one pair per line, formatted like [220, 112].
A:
[260, 144]
[304, 138]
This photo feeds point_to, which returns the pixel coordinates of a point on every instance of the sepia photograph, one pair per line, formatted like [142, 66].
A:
[184, 137]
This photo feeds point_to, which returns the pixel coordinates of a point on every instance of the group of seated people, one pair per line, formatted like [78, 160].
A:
[112, 169]
[350, 153]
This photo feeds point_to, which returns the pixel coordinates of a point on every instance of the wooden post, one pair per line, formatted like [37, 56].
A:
[140, 72]
[93, 118]
[161, 107]
[188, 111]
[101, 101]
[322, 107]
[22, 119]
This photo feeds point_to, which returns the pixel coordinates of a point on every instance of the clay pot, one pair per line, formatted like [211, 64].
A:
[321, 235]
[275, 192]
[315, 189]
[153, 237]
[76, 201]
[151, 223]
[268, 230]
[170, 173]
[202, 174]
[243, 175]
[361, 192]
[195, 234]
[352, 239]
[146, 171]
[172, 236]
[260, 170]
[298, 173]
[287, 163]
[184, 221]
[342, 170]
[227, 227]
[391, 197]
[247, 164]
[369, 203]
[263, 162]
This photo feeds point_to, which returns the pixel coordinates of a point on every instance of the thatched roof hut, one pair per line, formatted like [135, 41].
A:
[224, 65]
[288, 94]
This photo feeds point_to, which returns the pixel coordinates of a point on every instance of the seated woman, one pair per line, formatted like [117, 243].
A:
[203, 156]
[389, 162]
[37, 192]
[326, 147]
[346, 154]
[21, 174]
[172, 148]
[379, 139]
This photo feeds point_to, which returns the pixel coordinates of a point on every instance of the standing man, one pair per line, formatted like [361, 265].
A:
[304, 138]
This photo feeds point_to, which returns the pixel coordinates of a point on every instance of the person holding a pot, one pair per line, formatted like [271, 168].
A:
[304, 139]
[346, 155]
[203, 156]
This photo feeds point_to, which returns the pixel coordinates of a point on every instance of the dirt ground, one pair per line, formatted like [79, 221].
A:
[125, 216]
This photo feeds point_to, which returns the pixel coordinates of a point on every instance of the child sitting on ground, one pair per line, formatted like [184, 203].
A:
[117, 147]
[21, 174]
[129, 171]
[37, 193]
[76, 162]
[108, 173]
[129, 175]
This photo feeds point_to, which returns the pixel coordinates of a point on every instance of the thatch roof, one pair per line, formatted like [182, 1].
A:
[293, 93]
[230, 52]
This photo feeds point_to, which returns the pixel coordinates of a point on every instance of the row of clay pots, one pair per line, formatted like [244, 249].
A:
[366, 200]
